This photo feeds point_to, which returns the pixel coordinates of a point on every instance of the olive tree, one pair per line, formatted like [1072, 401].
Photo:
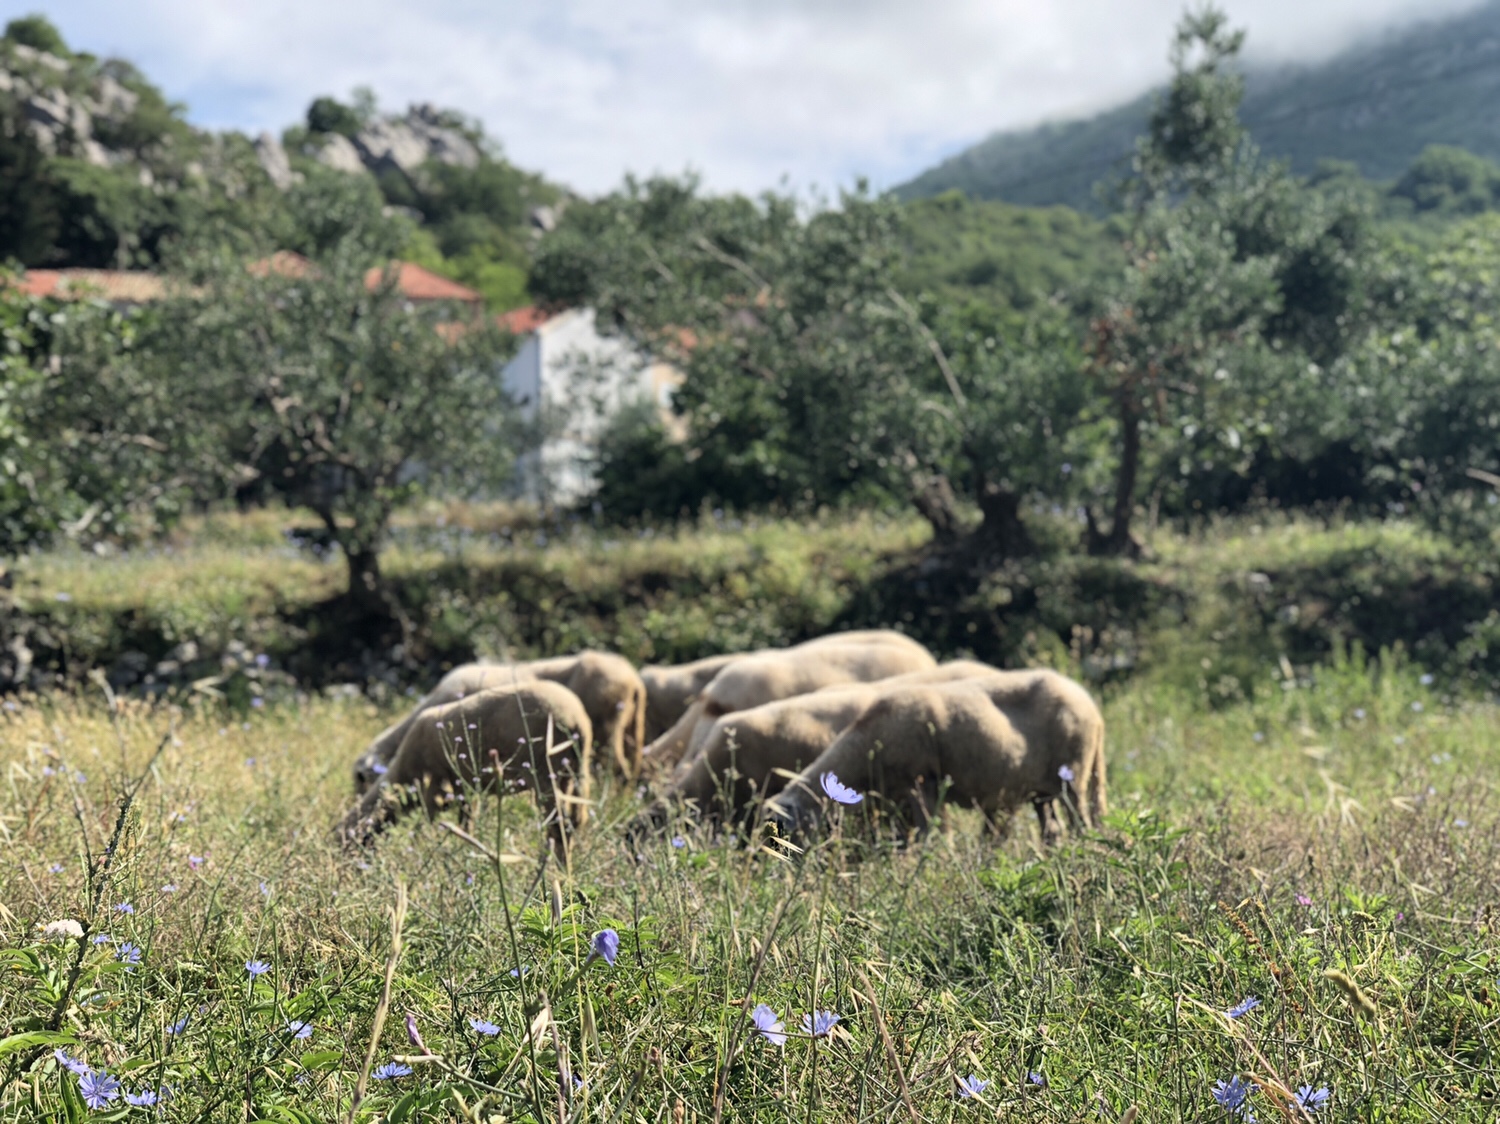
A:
[335, 394]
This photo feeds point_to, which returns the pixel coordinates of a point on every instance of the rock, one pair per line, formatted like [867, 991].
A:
[386, 144]
[113, 99]
[445, 144]
[338, 152]
[543, 218]
[273, 161]
[42, 58]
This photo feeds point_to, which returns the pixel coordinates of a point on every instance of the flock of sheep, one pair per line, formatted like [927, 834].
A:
[835, 718]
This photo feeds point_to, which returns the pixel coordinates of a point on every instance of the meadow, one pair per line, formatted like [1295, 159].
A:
[1294, 891]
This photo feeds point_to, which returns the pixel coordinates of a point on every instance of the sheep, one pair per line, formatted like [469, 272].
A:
[765, 677]
[670, 689]
[991, 743]
[534, 735]
[607, 685]
[751, 752]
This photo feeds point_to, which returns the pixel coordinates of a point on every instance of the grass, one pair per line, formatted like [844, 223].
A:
[1343, 825]
[1303, 825]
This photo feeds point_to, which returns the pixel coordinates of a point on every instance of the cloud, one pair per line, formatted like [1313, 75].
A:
[744, 91]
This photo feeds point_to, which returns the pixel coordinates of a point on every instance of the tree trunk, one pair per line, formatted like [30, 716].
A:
[935, 502]
[1003, 531]
[1121, 539]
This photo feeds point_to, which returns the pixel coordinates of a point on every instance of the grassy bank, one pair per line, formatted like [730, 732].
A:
[1214, 613]
[1346, 826]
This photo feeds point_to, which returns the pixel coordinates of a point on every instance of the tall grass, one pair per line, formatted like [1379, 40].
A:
[1327, 845]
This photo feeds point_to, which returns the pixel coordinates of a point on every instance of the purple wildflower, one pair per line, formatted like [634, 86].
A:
[144, 1099]
[74, 1065]
[124, 907]
[679, 842]
[1037, 1078]
[1065, 773]
[1243, 1007]
[257, 968]
[838, 790]
[485, 1027]
[1233, 1094]
[195, 861]
[1312, 1099]
[390, 1070]
[257, 702]
[129, 955]
[1303, 900]
[380, 769]
[169, 888]
[819, 1024]
[768, 1023]
[55, 868]
[98, 1089]
[299, 1030]
[179, 1026]
[102, 938]
[971, 1086]
[606, 944]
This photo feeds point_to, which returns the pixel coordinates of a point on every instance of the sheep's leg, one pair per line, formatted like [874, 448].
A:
[1046, 816]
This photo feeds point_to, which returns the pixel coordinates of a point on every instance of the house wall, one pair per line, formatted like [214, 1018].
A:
[570, 381]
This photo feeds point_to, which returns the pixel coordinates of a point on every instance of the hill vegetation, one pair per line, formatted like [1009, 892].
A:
[1377, 106]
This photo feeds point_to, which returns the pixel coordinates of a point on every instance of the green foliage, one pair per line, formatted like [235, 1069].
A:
[29, 211]
[84, 431]
[326, 392]
[327, 115]
[1450, 180]
[964, 249]
[37, 32]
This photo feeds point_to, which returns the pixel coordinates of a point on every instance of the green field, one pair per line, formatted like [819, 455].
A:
[1331, 813]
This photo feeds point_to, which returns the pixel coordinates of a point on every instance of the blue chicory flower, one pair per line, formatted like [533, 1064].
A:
[55, 868]
[129, 954]
[299, 1030]
[1312, 1099]
[838, 790]
[971, 1086]
[1243, 1007]
[768, 1024]
[391, 1070]
[1065, 773]
[679, 842]
[102, 938]
[606, 944]
[144, 1099]
[819, 1024]
[124, 907]
[485, 1027]
[98, 1089]
[179, 1026]
[1233, 1094]
[257, 967]
[75, 1065]
[1036, 1078]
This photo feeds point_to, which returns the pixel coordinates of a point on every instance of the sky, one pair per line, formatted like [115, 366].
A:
[750, 94]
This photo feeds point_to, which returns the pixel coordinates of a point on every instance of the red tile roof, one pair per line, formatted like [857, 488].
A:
[523, 321]
[418, 284]
[140, 287]
[122, 286]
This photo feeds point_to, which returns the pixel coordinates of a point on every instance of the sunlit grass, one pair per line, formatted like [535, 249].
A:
[1347, 825]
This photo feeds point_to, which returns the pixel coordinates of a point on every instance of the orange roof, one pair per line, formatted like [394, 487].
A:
[418, 284]
[283, 263]
[523, 321]
[122, 286]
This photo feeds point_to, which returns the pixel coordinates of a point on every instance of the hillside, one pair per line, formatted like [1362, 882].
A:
[1377, 105]
[99, 170]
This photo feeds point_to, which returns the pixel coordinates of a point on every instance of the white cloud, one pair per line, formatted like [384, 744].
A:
[745, 91]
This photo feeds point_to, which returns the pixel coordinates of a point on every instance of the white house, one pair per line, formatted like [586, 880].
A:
[571, 380]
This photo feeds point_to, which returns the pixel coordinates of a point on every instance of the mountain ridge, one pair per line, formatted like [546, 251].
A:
[1376, 105]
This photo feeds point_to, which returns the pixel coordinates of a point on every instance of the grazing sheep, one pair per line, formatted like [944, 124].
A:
[765, 677]
[497, 733]
[607, 685]
[752, 752]
[991, 743]
[670, 689]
